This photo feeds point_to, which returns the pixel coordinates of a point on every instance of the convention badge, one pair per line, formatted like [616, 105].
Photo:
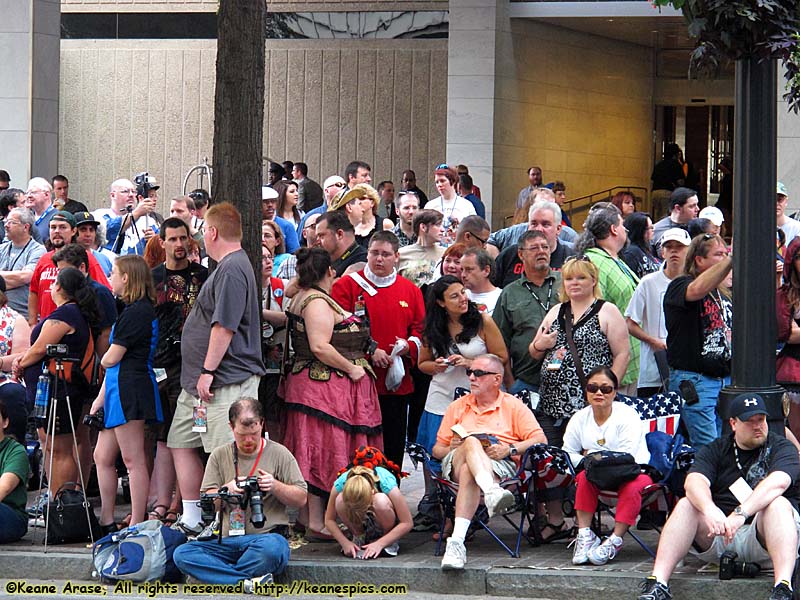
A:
[161, 374]
[200, 421]
[557, 359]
[360, 308]
[237, 521]
[740, 489]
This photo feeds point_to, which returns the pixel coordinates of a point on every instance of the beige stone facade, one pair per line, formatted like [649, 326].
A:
[128, 106]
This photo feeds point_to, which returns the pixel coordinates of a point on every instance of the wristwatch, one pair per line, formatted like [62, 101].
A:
[512, 450]
[740, 513]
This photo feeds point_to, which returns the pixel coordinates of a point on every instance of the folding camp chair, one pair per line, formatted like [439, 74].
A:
[660, 415]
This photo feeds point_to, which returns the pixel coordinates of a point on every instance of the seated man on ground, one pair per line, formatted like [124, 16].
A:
[741, 495]
[247, 553]
[465, 461]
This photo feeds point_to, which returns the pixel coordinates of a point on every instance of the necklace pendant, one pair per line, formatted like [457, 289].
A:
[601, 441]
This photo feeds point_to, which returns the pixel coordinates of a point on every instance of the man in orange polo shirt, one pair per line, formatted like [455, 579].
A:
[476, 469]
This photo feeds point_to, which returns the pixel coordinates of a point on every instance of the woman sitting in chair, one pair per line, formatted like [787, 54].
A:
[604, 425]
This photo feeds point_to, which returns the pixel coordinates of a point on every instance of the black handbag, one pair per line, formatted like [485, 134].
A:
[608, 470]
[66, 517]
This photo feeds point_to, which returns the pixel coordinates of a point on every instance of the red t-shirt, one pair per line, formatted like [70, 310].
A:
[45, 274]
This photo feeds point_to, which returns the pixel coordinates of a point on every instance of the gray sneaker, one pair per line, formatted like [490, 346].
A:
[498, 501]
[455, 556]
[39, 505]
[209, 532]
[190, 532]
[257, 585]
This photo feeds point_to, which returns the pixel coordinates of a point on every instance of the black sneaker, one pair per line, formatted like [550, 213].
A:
[653, 590]
[781, 592]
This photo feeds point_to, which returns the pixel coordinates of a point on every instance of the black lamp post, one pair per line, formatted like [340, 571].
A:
[755, 176]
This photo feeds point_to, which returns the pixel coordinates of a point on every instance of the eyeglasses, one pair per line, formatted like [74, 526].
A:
[19, 223]
[480, 239]
[593, 388]
[479, 373]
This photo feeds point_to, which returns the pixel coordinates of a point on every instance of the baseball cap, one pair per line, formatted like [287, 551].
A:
[63, 215]
[676, 234]
[782, 190]
[713, 214]
[745, 406]
[268, 193]
[83, 217]
[333, 179]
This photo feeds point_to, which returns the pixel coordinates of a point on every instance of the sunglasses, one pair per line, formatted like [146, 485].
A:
[338, 184]
[479, 238]
[592, 388]
[479, 372]
[442, 166]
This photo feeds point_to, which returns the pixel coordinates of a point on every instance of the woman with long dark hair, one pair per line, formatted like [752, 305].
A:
[638, 254]
[76, 317]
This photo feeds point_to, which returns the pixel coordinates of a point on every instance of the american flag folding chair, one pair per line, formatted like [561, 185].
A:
[659, 413]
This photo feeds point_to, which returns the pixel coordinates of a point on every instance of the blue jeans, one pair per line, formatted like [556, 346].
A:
[520, 385]
[702, 420]
[236, 558]
[13, 525]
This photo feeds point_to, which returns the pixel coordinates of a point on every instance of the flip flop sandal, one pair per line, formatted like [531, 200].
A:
[154, 515]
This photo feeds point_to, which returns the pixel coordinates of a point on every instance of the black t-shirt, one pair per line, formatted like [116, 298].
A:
[717, 461]
[667, 174]
[698, 333]
[354, 254]
[508, 265]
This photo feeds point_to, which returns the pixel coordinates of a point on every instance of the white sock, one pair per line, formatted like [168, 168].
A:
[615, 539]
[485, 481]
[191, 513]
[584, 531]
[460, 528]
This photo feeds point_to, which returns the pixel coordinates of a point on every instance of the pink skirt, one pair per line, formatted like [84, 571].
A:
[326, 421]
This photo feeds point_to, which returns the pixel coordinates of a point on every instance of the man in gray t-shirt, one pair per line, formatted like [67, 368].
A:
[18, 258]
[220, 356]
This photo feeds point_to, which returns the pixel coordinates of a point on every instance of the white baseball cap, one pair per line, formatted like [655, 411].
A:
[267, 193]
[676, 234]
[333, 179]
[713, 214]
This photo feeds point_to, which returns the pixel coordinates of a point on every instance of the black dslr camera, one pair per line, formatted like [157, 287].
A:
[56, 350]
[251, 495]
[95, 420]
[729, 567]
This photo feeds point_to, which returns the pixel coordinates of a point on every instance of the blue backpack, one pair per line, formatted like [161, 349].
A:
[141, 552]
[671, 457]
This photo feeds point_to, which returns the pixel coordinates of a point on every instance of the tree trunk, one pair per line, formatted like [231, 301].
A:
[239, 116]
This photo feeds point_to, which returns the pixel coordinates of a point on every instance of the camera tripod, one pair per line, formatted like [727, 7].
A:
[50, 431]
[122, 232]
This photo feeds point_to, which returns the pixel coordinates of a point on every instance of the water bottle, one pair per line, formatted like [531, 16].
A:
[42, 399]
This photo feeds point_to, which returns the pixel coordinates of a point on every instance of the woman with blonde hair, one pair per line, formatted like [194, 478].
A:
[577, 335]
[129, 395]
[374, 510]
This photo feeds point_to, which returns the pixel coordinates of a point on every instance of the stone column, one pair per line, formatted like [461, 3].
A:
[30, 39]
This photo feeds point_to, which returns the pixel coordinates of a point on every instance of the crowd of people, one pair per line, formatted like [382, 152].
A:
[376, 304]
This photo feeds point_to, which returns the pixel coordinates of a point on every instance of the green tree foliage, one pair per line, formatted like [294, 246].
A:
[744, 29]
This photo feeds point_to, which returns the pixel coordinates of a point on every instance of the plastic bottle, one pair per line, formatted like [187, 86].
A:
[42, 400]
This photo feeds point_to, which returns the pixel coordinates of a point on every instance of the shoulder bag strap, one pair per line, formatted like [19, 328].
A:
[571, 344]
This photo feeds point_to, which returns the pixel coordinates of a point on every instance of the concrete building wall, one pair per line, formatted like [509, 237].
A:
[788, 144]
[211, 5]
[131, 105]
[579, 106]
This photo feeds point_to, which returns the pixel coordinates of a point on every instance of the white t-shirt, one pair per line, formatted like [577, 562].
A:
[486, 300]
[133, 235]
[647, 309]
[624, 431]
[791, 228]
[457, 208]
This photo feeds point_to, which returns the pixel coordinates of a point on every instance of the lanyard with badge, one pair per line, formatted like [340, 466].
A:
[237, 515]
[545, 307]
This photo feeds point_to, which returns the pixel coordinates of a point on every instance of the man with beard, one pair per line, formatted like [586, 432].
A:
[396, 312]
[62, 232]
[178, 281]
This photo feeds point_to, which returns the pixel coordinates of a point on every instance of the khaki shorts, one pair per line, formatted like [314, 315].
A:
[219, 432]
[745, 543]
[504, 469]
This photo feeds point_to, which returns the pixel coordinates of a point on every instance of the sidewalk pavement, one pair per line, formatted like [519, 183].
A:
[543, 572]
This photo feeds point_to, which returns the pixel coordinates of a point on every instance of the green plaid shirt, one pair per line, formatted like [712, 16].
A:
[617, 284]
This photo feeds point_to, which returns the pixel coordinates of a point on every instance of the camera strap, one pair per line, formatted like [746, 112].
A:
[255, 464]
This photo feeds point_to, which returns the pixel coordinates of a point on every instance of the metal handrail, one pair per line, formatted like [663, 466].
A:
[204, 170]
[581, 203]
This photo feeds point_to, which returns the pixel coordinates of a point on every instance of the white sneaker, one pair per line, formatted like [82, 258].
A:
[455, 556]
[498, 501]
[602, 553]
[584, 543]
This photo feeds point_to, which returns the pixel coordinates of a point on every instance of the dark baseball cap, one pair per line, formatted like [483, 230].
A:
[63, 215]
[748, 405]
[83, 217]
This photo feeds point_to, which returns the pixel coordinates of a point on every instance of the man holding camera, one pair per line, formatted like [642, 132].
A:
[236, 476]
[127, 218]
[741, 497]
